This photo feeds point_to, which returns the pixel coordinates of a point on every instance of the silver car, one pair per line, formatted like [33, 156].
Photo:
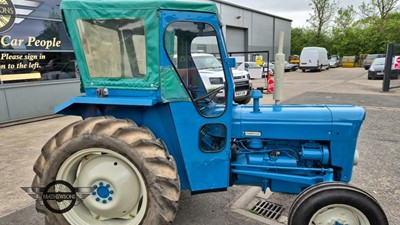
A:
[377, 70]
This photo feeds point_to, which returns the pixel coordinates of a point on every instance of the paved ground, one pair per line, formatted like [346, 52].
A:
[377, 173]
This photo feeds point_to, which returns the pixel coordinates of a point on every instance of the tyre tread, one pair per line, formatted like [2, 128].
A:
[314, 195]
[154, 152]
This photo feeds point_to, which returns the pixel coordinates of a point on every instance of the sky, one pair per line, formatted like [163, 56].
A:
[296, 10]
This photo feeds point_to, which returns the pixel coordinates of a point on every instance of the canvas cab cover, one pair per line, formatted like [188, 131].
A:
[117, 43]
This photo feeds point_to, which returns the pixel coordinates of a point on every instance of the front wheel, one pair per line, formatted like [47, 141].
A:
[336, 203]
[133, 178]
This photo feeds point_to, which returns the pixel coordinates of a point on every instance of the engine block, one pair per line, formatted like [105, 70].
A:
[276, 163]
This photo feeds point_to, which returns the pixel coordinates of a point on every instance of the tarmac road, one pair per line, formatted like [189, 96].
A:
[378, 171]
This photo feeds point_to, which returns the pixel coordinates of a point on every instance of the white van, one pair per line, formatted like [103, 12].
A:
[255, 71]
[314, 58]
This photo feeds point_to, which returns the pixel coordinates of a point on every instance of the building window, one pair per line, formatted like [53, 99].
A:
[36, 46]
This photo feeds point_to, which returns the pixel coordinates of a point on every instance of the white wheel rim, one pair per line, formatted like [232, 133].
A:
[119, 187]
[339, 214]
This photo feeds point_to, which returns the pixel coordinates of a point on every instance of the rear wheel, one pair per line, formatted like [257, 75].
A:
[133, 177]
[336, 203]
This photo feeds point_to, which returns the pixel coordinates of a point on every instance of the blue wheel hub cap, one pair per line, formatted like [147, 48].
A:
[102, 192]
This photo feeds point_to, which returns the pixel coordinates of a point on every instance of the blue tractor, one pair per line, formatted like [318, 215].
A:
[150, 128]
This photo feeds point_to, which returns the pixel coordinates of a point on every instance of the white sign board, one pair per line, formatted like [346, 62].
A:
[396, 63]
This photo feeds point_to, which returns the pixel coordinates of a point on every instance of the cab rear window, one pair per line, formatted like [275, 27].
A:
[114, 48]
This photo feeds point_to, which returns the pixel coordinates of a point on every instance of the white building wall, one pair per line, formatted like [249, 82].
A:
[282, 25]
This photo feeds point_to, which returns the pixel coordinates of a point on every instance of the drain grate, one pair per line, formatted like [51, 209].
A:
[268, 209]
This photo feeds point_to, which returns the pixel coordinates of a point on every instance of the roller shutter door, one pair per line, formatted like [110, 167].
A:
[235, 39]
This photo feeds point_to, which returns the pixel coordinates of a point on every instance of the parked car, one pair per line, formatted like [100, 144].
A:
[314, 58]
[287, 67]
[255, 71]
[370, 58]
[377, 69]
[211, 73]
[290, 66]
[334, 61]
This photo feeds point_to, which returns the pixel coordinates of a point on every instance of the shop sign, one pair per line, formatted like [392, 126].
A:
[8, 41]
[7, 15]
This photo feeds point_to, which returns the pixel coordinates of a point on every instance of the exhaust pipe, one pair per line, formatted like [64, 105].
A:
[279, 70]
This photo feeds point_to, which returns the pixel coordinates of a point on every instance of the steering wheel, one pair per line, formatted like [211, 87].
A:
[211, 93]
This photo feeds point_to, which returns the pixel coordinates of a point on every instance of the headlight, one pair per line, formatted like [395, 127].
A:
[371, 69]
[216, 80]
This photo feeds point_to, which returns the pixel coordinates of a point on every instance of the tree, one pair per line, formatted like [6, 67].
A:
[305, 38]
[391, 28]
[345, 18]
[323, 12]
[378, 8]
[352, 34]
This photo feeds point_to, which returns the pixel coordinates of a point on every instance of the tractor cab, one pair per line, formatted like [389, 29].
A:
[148, 54]
[158, 63]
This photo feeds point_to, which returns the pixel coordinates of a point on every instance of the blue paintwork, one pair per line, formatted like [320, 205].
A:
[115, 97]
[301, 163]
[102, 192]
[275, 122]
[137, 101]
[284, 147]
[256, 95]
[206, 171]
[157, 118]
[335, 127]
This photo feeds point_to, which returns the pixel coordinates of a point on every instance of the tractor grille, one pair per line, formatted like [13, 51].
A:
[268, 209]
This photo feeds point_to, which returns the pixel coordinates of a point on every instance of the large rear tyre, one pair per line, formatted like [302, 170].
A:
[135, 180]
[336, 203]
